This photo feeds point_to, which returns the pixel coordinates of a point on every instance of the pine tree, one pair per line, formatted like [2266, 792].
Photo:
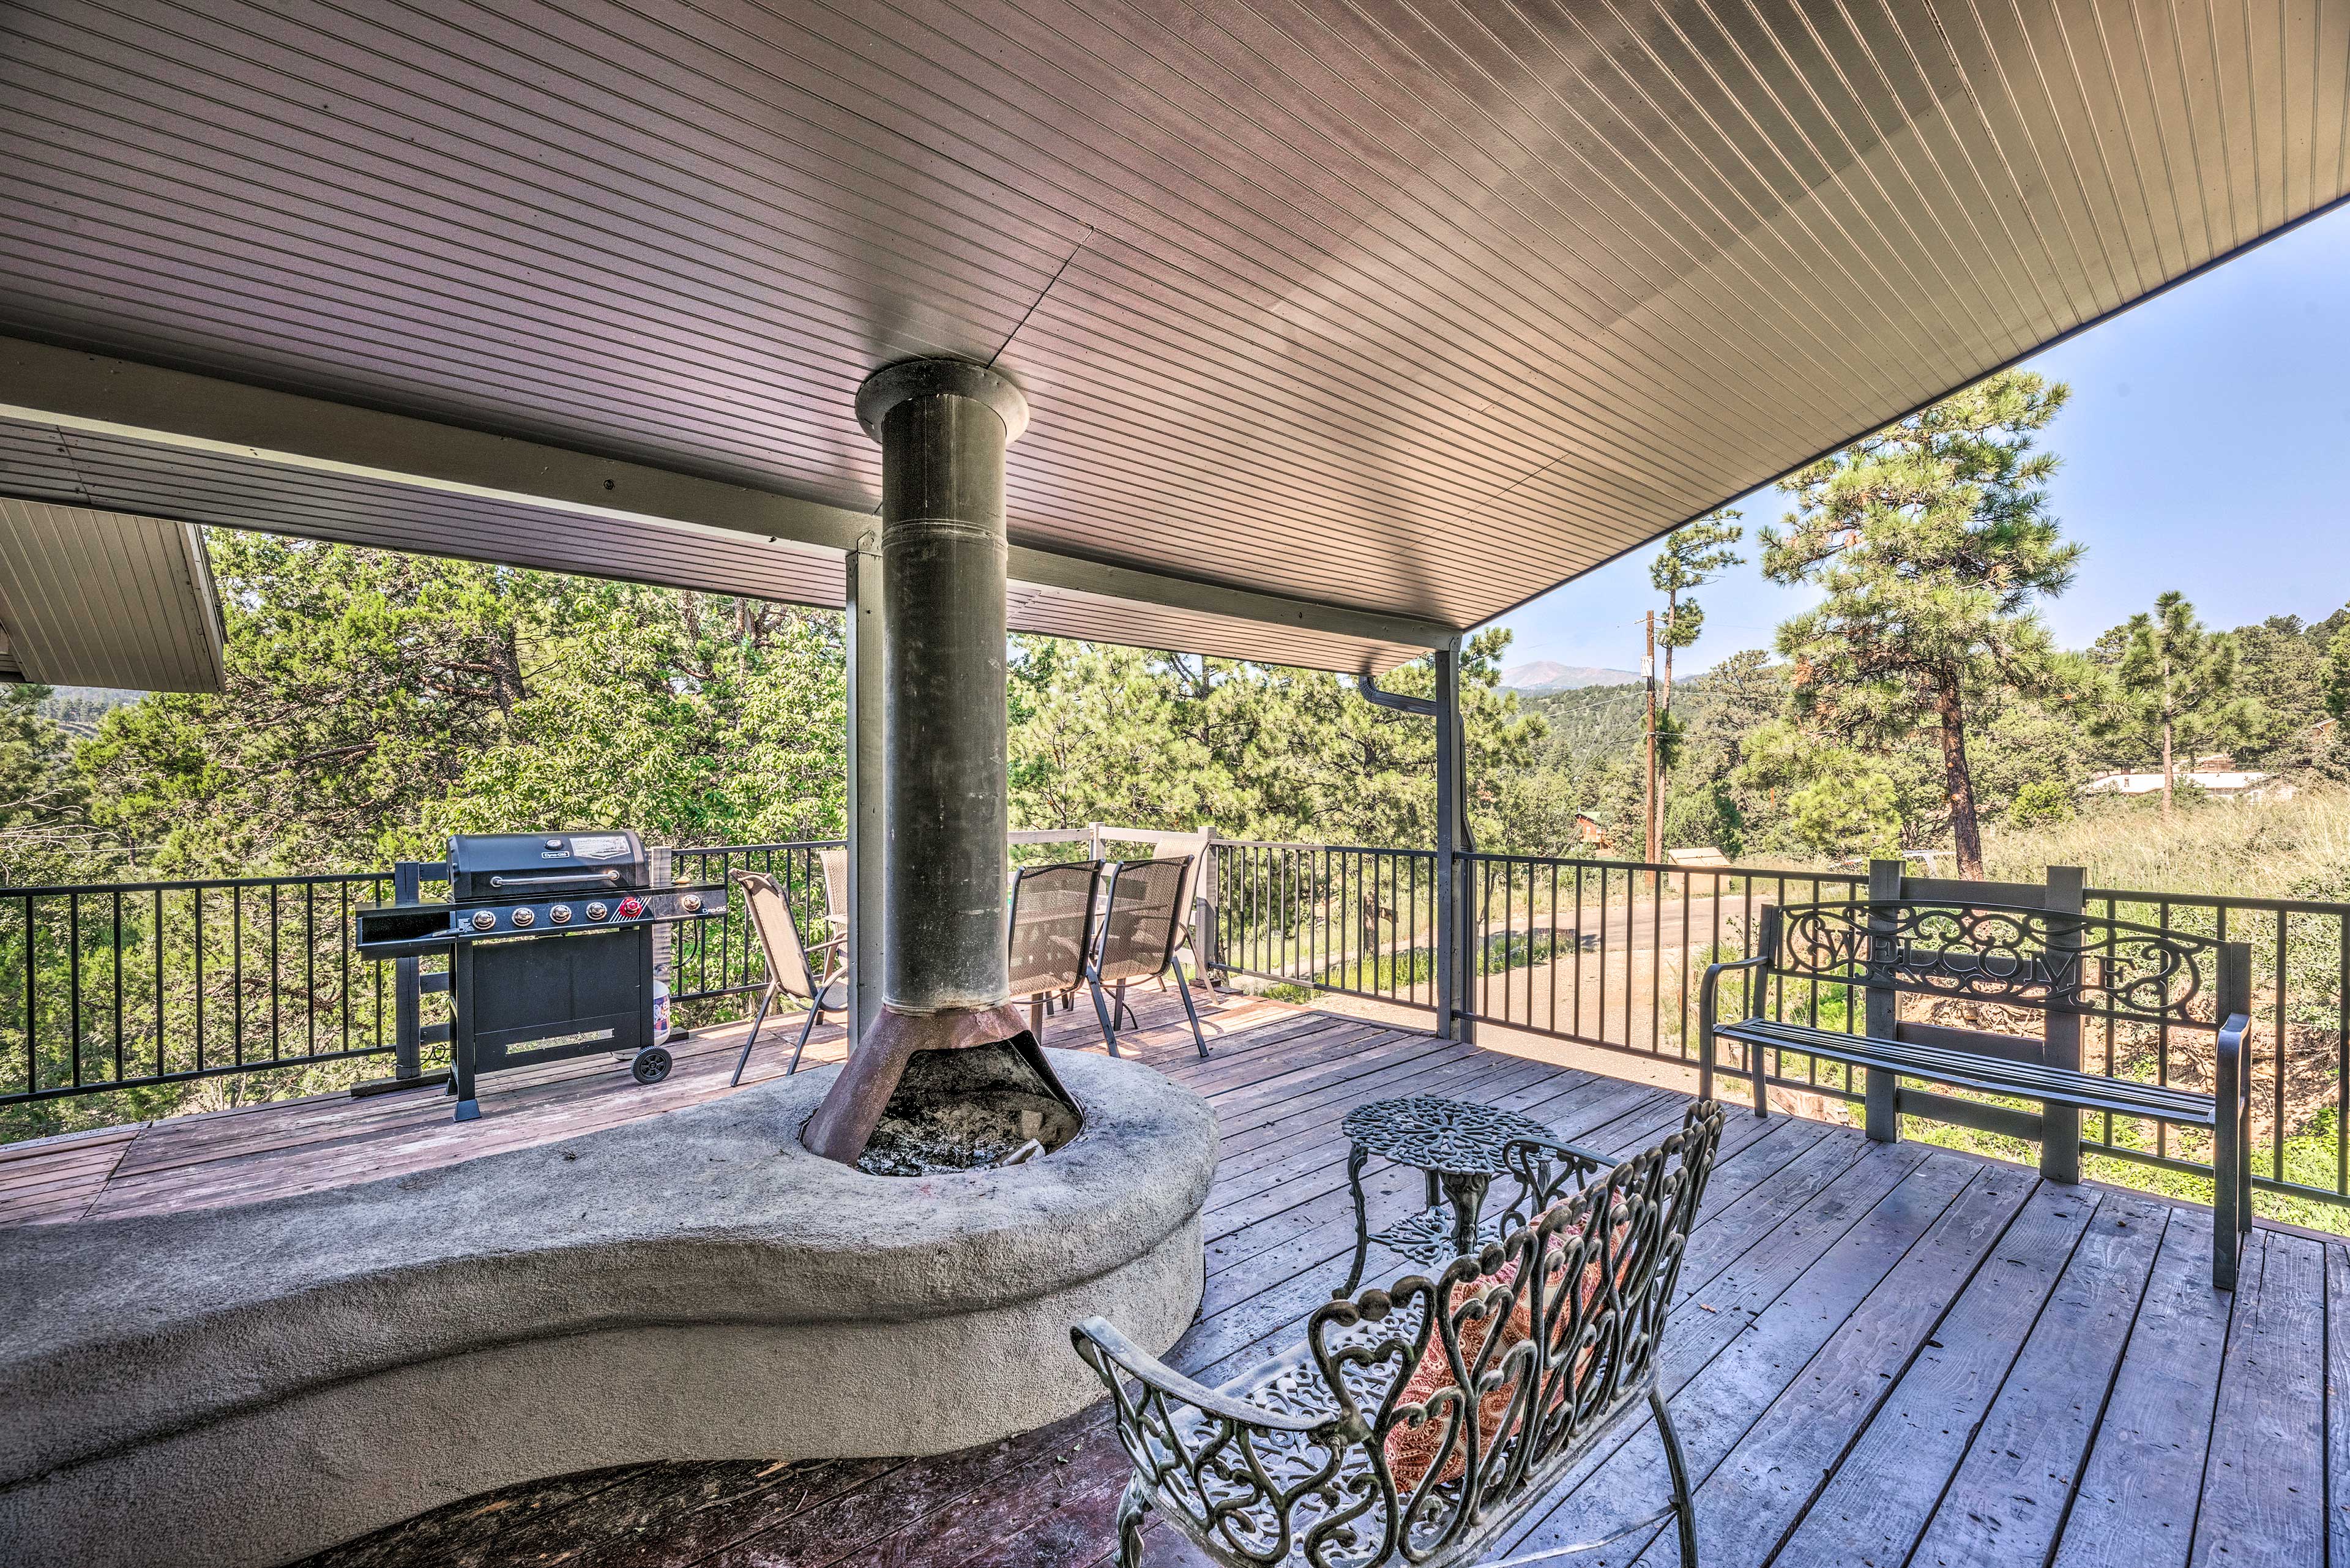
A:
[1931, 539]
[1693, 555]
[2336, 676]
[2177, 683]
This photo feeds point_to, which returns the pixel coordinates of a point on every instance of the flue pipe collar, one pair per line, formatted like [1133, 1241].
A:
[894, 384]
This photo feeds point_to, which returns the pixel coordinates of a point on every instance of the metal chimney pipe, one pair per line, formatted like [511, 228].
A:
[943, 425]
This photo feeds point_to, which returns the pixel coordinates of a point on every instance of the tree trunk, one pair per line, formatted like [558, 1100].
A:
[512, 691]
[1958, 784]
[1673, 618]
[2166, 769]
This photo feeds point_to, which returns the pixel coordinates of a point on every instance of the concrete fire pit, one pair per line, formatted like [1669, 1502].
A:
[252, 1384]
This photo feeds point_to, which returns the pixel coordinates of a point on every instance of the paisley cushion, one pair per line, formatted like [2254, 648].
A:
[1412, 1449]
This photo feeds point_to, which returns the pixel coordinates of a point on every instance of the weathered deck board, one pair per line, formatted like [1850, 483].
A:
[2136, 1501]
[1878, 1354]
[2264, 1482]
[2337, 1403]
[1877, 1501]
[2009, 1495]
[1763, 1489]
[1721, 1376]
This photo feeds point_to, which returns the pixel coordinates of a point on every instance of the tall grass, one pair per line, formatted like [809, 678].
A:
[2251, 848]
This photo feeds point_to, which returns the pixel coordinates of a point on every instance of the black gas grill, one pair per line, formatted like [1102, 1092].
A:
[550, 940]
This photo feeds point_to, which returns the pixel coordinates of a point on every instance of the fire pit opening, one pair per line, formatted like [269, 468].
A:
[963, 1110]
[926, 1093]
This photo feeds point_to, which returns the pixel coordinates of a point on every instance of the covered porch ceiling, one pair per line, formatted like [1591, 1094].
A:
[1344, 326]
[99, 598]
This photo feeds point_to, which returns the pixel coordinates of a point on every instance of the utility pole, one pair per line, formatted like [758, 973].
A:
[1648, 674]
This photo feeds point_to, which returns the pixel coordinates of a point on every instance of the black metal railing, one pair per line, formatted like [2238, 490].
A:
[716, 958]
[134, 989]
[1357, 920]
[141, 989]
[2298, 1050]
[1610, 953]
[134, 986]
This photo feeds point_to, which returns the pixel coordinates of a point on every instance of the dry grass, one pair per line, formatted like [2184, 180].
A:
[2251, 848]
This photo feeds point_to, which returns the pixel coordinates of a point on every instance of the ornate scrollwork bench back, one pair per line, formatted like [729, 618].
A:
[1416, 1422]
[2004, 954]
[2032, 948]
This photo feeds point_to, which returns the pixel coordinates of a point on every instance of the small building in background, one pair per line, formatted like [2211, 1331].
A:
[2214, 775]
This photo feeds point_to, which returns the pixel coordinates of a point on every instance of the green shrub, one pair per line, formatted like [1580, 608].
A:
[2041, 801]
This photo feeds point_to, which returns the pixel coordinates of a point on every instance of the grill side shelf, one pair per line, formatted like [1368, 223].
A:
[404, 930]
[421, 931]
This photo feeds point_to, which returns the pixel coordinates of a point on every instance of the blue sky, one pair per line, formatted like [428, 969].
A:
[2207, 449]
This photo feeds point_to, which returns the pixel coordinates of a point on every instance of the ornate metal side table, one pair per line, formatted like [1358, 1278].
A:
[1459, 1146]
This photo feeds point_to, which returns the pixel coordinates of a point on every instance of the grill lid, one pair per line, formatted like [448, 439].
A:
[507, 866]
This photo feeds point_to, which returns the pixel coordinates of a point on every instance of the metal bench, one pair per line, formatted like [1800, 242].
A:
[2019, 945]
[1359, 1446]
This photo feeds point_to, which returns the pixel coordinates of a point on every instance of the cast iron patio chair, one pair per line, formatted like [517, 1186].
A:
[1360, 1447]
[1053, 923]
[1140, 936]
[788, 973]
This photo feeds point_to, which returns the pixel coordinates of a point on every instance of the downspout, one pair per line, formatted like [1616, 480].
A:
[1394, 702]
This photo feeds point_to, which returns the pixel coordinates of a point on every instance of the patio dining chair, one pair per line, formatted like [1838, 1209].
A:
[788, 971]
[1142, 930]
[835, 865]
[1053, 926]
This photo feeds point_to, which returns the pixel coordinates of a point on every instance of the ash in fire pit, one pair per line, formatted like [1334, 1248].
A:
[967, 1109]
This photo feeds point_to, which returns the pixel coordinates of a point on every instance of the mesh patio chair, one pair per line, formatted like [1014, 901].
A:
[1053, 929]
[788, 972]
[1140, 934]
[834, 864]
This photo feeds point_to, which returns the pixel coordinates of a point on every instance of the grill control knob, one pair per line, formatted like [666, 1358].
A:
[690, 903]
[555, 844]
[631, 907]
[523, 917]
[483, 919]
[559, 916]
[597, 911]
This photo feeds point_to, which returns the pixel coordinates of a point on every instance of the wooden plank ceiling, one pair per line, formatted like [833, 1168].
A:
[1419, 308]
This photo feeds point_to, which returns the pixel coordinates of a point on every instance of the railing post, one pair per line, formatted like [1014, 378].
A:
[1206, 940]
[407, 986]
[1455, 936]
[2060, 1125]
[1881, 1002]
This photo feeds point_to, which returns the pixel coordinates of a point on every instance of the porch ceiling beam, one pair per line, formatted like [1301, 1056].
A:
[95, 393]
[1075, 574]
[104, 396]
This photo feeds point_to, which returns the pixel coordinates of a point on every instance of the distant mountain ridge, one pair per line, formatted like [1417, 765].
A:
[1543, 675]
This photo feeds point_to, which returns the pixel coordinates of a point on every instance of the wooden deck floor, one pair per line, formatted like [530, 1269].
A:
[296, 1145]
[1883, 1354]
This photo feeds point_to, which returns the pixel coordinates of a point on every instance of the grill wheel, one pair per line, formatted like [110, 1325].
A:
[651, 1064]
